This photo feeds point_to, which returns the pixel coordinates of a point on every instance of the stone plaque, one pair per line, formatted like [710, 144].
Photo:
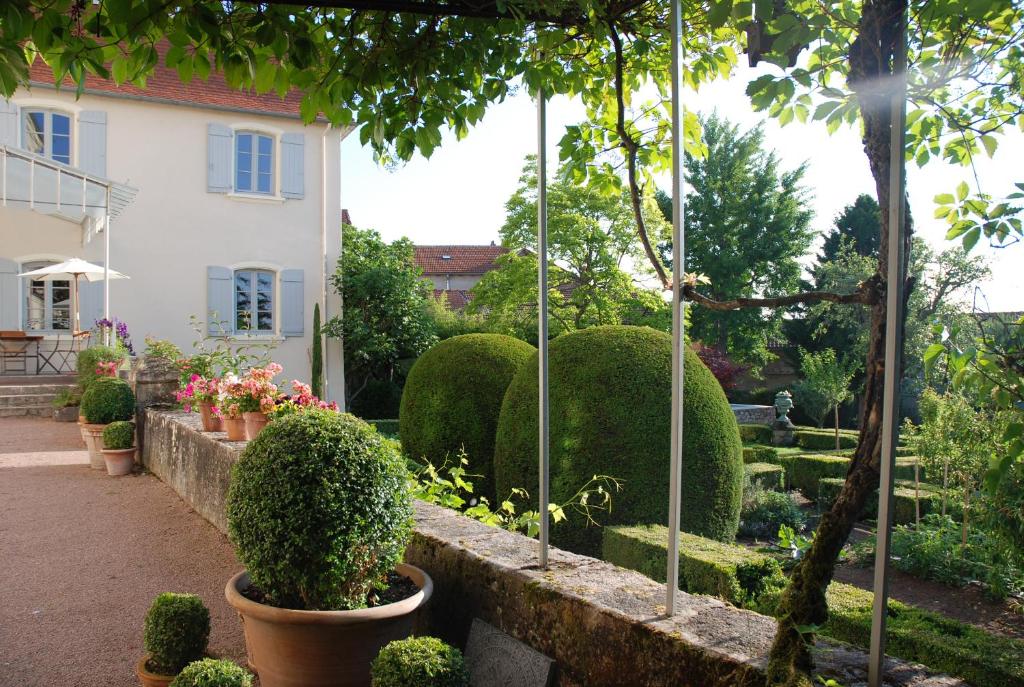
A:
[495, 658]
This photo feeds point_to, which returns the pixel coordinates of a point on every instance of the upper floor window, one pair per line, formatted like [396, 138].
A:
[47, 305]
[48, 133]
[254, 301]
[254, 163]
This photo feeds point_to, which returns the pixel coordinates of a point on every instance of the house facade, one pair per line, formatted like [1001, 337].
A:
[454, 270]
[229, 210]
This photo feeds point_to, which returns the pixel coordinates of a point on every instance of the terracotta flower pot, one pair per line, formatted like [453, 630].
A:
[93, 435]
[119, 461]
[148, 679]
[290, 648]
[235, 427]
[254, 424]
[211, 422]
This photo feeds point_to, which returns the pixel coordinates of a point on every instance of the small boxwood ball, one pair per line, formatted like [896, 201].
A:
[108, 399]
[210, 672]
[452, 399]
[419, 662]
[119, 435]
[175, 633]
[610, 407]
[319, 510]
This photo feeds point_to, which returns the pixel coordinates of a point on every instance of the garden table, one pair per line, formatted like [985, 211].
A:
[18, 347]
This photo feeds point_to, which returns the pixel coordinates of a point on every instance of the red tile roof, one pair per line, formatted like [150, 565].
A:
[164, 85]
[457, 298]
[459, 260]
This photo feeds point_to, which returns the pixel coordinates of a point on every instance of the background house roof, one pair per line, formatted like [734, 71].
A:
[164, 85]
[458, 259]
[457, 298]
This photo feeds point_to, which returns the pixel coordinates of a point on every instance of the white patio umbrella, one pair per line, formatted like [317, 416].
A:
[72, 270]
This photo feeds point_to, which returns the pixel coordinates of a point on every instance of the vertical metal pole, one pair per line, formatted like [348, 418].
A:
[543, 492]
[893, 354]
[678, 208]
[106, 267]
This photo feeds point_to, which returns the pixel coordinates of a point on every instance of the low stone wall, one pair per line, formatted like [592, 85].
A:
[604, 626]
[747, 414]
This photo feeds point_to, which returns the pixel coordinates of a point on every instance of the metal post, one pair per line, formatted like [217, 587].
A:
[678, 208]
[106, 267]
[543, 493]
[893, 355]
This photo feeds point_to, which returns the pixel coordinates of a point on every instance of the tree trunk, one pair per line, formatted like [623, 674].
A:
[803, 603]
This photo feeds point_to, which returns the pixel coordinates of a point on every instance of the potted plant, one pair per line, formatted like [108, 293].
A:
[94, 363]
[175, 633]
[66, 405]
[419, 662]
[256, 395]
[232, 421]
[202, 393]
[211, 672]
[319, 513]
[108, 399]
[119, 448]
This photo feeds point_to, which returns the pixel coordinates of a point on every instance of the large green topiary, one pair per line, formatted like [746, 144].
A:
[175, 633]
[210, 672]
[610, 394]
[318, 510]
[108, 399]
[419, 662]
[452, 399]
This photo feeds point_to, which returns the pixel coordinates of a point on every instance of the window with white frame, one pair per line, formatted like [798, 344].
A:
[254, 301]
[254, 163]
[48, 133]
[47, 304]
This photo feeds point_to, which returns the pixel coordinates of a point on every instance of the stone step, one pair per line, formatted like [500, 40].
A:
[21, 390]
[27, 411]
[27, 401]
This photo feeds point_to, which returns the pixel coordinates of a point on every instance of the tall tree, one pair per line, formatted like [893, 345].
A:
[385, 317]
[591, 242]
[747, 223]
[857, 224]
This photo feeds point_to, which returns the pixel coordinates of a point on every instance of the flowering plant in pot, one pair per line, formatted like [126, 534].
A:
[108, 399]
[175, 634]
[300, 400]
[203, 393]
[319, 513]
[255, 394]
[119, 448]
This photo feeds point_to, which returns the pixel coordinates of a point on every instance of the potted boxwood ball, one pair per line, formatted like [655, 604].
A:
[210, 672]
[319, 513]
[419, 662]
[119, 448]
[108, 399]
[176, 631]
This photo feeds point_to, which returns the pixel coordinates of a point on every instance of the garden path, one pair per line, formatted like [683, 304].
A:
[81, 557]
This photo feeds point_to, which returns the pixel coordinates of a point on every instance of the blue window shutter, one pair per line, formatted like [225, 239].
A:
[92, 143]
[10, 124]
[220, 304]
[10, 315]
[293, 299]
[219, 149]
[293, 182]
[90, 302]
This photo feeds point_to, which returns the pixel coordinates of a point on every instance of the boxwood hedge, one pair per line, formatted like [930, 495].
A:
[808, 470]
[768, 475]
[929, 497]
[610, 394]
[419, 662]
[452, 399]
[823, 439]
[756, 434]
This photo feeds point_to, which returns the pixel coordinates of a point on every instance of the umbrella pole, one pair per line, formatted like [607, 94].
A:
[78, 315]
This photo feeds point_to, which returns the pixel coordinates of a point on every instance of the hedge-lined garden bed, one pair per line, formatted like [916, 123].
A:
[767, 475]
[928, 496]
[742, 577]
[808, 470]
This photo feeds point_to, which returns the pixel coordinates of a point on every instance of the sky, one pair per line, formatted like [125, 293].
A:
[458, 196]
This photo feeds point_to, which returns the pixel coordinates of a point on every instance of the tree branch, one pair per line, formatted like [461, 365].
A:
[868, 293]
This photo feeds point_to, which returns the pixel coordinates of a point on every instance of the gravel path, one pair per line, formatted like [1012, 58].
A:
[81, 557]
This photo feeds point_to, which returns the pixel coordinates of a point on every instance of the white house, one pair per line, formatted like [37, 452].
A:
[210, 199]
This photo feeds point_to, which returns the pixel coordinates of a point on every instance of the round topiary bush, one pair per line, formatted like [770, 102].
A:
[108, 399]
[611, 399]
[211, 672]
[319, 511]
[87, 360]
[419, 662]
[452, 399]
[175, 633]
[119, 435]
